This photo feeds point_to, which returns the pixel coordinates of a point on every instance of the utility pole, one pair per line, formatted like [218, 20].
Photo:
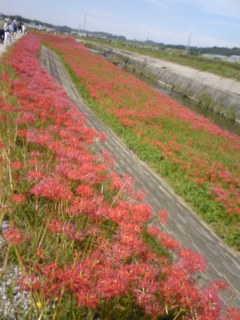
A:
[85, 21]
[189, 43]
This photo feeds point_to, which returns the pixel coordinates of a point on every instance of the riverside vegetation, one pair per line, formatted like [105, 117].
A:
[199, 160]
[78, 231]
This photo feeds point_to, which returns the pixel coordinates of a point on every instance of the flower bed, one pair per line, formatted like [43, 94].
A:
[77, 230]
[200, 160]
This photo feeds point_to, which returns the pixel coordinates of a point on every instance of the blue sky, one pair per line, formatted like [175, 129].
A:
[210, 22]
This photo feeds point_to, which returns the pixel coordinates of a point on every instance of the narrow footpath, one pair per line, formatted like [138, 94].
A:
[183, 225]
[4, 48]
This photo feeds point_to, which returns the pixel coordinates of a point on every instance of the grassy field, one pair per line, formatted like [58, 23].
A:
[221, 68]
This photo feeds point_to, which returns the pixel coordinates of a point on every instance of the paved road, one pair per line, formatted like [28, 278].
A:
[183, 224]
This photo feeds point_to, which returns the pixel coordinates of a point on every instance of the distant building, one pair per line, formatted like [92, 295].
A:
[214, 56]
[82, 34]
[232, 58]
[33, 26]
[40, 27]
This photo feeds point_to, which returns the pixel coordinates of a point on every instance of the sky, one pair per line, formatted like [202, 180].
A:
[199, 23]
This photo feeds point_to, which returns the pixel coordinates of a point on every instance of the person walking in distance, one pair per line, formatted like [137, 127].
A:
[1, 31]
[19, 27]
[7, 33]
[14, 28]
[24, 28]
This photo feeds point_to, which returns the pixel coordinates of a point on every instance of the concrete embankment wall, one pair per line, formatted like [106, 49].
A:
[223, 102]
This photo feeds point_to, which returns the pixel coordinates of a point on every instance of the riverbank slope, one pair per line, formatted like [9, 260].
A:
[219, 94]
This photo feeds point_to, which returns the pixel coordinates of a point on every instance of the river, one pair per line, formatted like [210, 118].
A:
[218, 119]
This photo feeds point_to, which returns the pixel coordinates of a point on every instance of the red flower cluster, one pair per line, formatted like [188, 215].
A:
[187, 142]
[13, 236]
[92, 212]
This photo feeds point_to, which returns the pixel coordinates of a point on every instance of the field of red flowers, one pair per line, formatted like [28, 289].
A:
[199, 160]
[77, 230]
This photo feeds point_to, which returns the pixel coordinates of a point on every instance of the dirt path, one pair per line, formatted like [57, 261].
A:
[4, 48]
[183, 225]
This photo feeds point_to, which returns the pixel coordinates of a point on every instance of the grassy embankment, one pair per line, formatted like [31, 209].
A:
[221, 68]
[78, 232]
[199, 160]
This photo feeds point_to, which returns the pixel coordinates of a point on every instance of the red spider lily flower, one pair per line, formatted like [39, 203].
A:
[95, 207]
[101, 136]
[8, 107]
[29, 283]
[140, 195]
[18, 198]
[210, 303]
[22, 133]
[38, 136]
[87, 298]
[108, 157]
[163, 215]
[51, 188]
[17, 165]
[112, 283]
[33, 162]
[232, 314]
[50, 270]
[221, 193]
[85, 191]
[34, 175]
[35, 154]
[13, 236]
[55, 226]
[50, 288]
[192, 262]
[143, 297]
[1, 144]
[141, 212]
[26, 118]
[40, 253]
[165, 239]
[93, 231]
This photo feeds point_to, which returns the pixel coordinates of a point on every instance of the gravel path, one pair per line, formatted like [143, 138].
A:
[183, 224]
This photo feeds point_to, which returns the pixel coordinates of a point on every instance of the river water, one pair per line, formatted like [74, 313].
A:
[218, 119]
